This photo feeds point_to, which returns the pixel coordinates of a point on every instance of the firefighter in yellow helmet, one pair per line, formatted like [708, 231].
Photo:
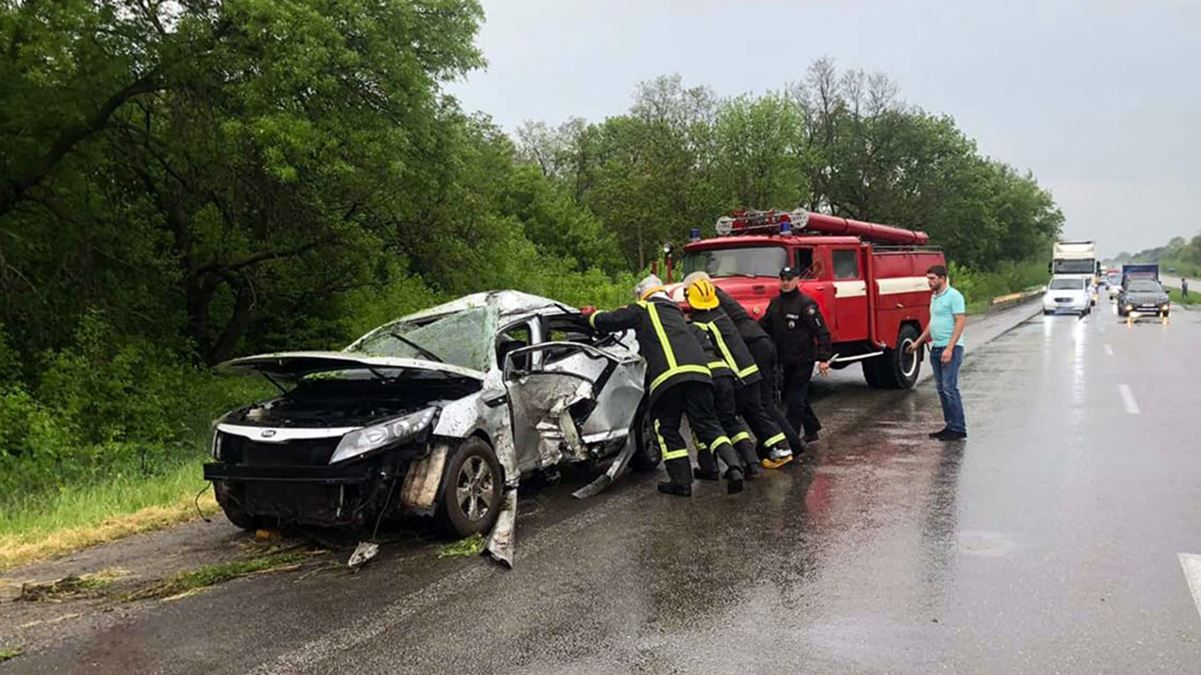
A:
[678, 380]
[743, 396]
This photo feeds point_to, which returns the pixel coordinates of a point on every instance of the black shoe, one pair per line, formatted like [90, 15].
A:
[706, 475]
[939, 433]
[810, 438]
[953, 436]
[733, 481]
[751, 471]
[670, 488]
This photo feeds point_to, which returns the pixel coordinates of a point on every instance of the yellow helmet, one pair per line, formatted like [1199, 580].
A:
[701, 294]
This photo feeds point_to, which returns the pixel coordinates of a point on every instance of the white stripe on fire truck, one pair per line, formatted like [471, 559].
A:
[850, 289]
[895, 285]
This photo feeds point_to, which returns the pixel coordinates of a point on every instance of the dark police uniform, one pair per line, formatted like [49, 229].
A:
[795, 323]
[678, 381]
[761, 407]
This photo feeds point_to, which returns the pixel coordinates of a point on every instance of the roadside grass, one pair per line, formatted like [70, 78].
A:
[78, 517]
[193, 580]
[1178, 299]
[71, 587]
[7, 653]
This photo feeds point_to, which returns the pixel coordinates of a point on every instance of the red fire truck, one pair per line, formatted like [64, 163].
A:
[868, 279]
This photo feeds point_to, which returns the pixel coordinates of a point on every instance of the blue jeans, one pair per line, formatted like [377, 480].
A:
[946, 378]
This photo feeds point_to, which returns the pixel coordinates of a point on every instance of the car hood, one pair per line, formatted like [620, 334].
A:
[295, 365]
[1148, 297]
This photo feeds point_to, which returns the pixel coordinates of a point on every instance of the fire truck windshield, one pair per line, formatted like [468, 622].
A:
[759, 261]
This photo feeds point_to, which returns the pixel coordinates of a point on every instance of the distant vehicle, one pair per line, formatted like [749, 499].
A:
[868, 279]
[1139, 271]
[1113, 280]
[1067, 294]
[1143, 297]
[1171, 270]
[1075, 258]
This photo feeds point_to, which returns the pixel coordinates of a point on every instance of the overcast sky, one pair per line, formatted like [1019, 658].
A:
[1101, 100]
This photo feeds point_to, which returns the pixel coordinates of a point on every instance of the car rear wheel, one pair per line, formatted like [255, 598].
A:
[471, 490]
[646, 455]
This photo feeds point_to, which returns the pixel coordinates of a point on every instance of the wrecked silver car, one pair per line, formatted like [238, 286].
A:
[439, 413]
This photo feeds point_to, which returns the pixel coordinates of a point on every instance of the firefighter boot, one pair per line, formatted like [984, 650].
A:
[679, 474]
[733, 480]
[750, 459]
[707, 466]
[777, 457]
[734, 468]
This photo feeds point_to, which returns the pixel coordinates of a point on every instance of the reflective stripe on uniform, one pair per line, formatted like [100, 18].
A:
[716, 365]
[721, 344]
[677, 371]
[748, 371]
[774, 440]
[720, 441]
[592, 319]
[663, 342]
[741, 436]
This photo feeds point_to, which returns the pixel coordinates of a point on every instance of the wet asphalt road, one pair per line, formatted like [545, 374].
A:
[1048, 541]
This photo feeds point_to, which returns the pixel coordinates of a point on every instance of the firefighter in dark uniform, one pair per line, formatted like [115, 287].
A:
[678, 380]
[743, 386]
[724, 384]
[795, 323]
[753, 405]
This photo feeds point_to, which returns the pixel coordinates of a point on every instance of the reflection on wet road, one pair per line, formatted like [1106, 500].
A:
[1049, 541]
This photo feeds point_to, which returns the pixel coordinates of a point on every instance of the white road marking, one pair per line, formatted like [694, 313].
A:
[1109, 350]
[1128, 399]
[1192, 574]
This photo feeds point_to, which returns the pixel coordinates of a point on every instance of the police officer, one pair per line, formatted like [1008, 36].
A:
[795, 323]
[733, 353]
[678, 380]
[752, 405]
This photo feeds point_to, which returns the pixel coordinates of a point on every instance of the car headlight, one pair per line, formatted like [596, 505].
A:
[1129, 308]
[391, 432]
[214, 442]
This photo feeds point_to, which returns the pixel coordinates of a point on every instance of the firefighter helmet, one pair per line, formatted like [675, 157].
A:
[650, 285]
[701, 294]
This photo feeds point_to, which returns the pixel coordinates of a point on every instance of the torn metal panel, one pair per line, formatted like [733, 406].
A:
[501, 540]
[420, 489]
[542, 401]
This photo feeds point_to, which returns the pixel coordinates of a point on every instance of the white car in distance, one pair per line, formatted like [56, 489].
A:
[1068, 294]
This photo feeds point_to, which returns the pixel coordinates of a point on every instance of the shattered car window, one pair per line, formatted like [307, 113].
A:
[460, 339]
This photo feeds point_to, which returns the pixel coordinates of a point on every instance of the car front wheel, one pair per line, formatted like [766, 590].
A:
[471, 490]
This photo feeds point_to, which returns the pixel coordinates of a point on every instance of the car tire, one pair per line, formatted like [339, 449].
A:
[646, 453]
[233, 513]
[897, 368]
[472, 488]
[1048, 312]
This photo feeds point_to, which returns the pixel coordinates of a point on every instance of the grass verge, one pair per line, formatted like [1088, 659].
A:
[70, 587]
[7, 653]
[1178, 299]
[190, 581]
[78, 517]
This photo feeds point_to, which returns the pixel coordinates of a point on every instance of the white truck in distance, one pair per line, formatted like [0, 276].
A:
[1075, 259]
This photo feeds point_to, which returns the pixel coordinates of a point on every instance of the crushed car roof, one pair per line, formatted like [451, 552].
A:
[506, 303]
[299, 364]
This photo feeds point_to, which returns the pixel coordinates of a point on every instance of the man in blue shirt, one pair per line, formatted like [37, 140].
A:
[947, 318]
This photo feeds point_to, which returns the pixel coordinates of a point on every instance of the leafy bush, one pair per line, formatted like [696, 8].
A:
[979, 288]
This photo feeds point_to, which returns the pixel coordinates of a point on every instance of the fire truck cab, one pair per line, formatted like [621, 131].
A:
[869, 281]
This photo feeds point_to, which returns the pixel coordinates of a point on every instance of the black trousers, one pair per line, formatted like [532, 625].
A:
[796, 397]
[694, 399]
[764, 353]
[724, 404]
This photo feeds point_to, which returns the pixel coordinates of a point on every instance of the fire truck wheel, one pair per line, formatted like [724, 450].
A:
[897, 368]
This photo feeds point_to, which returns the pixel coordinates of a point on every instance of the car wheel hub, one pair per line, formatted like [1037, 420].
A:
[474, 488]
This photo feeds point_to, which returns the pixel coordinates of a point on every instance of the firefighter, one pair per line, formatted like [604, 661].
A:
[743, 385]
[723, 407]
[795, 323]
[755, 406]
[678, 380]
